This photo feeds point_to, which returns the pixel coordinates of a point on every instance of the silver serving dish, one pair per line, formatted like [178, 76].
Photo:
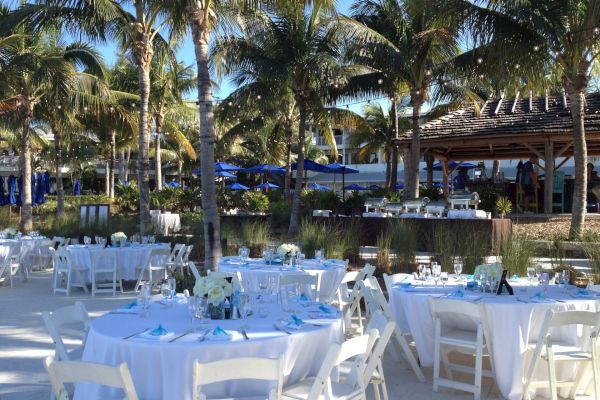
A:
[436, 208]
[415, 205]
[376, 203]
[464, 200]
[394, 208]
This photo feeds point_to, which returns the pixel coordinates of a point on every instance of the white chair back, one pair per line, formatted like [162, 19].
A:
[263, 369]
[61, 372]
[194, 270]
[68, 315]
[394, 279]
[308, 284]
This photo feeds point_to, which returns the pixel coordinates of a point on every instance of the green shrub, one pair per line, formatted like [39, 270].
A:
[319, 200]
[384, 261]
[516, 255]
[127, 197]
[312, 236]
[354, 202]
[433, 193]
[444, 243]
[280, 214]
[504, 206]
[255, 202]
[472, 249]
[256, 235]
[488, 195]
[228, 199]
[403, 240]
[390, 194]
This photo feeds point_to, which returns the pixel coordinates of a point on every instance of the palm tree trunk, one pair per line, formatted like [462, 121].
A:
[495, 170]
[212, 236]
[25, 159]
[60, 192]
[430, 160]
[143, 55]
[113, 156]
[180, 171]
[107, 176]
[288, 159]
[158, 162]
[394, 166]
[388, 170]
[577, 97]
[126, 167]
[295, 215]
[412, 175]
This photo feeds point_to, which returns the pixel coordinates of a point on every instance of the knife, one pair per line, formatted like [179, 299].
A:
[180, 336]
[244, 334]
[282, 329]
[136, 333]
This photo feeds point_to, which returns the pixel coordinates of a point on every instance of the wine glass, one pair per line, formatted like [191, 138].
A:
[173, 286]
[566, 278]
[266, 255]
[319, 255]
[191, 308]
[201, 304]
[300, 258]
[420, 269]
[545, 281]
[427, 273]
[244, 305]
[530, 275]
[436, 270]
[263, 285]
[165, 290]
[458, 268]
[444, 278]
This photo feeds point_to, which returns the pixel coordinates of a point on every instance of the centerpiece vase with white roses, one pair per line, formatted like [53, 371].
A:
[288, 252]
[215, 288]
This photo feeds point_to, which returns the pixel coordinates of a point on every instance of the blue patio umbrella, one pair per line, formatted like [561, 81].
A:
[337, 168]
[224, 174]
[223, 166]
[310, 165]
[41, 189]
[237, 186]
[318, 186]
[174, 184]
[354, 186]
[2, 198]
[47, 182]
[77, 188]
[373, 187]
[265, 169]
[20, 196]
[267, 185]
[12, 190]
[400, 185]
[33, 190]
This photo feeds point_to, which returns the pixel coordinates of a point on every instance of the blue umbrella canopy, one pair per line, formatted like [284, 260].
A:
[40, 188]
[223, 166]
[20, 196]
[224, 174]
[310, 165]
[265, 169]
[267, 185]
[77, 188]
[33, 190]
[237, 186]
[47, 182]
[2, 199]
[337, 168]
[317, 186]
[400, 185]
[453, 164]
[354, 186]
[12, 190]
[174, 184]
[373, 187]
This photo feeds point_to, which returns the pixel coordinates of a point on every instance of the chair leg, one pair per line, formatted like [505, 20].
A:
[114, 282]
[408, 354]
[93, 283]
[595, 371]
[139, 281]
[551, 374]
[446, 362]
[68, 282]
[478, 371]
[383, 385]
[436, 357]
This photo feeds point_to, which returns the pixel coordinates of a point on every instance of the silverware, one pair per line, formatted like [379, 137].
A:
[522, 301]
[203, 338]
[136, 333]
[282, 329]
[244, 334]
[124, 312]
[180, 336]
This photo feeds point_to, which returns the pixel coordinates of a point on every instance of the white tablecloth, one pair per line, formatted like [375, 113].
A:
[166, 222]
[162, 370]
[513, 325]
[31, 248]
[128, 258]
[330, 273]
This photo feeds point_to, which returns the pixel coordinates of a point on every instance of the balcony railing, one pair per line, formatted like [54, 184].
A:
[321, 140]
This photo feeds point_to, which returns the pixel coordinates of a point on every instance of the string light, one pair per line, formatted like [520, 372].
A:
[479, 60]
[536, 48]
[380, 81]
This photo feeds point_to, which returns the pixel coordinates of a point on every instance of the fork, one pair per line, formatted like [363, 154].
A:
[203, 338]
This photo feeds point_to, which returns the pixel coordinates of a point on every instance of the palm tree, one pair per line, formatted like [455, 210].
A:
[179, 146]
[417, 44]
[36, 72]
[541, 36]
[299, 48]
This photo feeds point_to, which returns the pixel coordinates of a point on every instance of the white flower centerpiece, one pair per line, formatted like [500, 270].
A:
[118, 239]
[489, 275]
[9, 233]
[215, 288]
[288, 252]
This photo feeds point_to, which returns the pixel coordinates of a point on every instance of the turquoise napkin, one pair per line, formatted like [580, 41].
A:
[218, 331]
[583, 292]
[158, 331]
[457, 293]
[303, 297]
[324, 309]
[405, 284]
[294, 322]
[130, 305]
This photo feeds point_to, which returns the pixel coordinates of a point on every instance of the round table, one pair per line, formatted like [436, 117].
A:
[128, 258]
[330, 273]
[32, 249]
[514, 323]
[163, 370]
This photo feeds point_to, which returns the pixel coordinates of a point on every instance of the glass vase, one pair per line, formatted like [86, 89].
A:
[215, 311]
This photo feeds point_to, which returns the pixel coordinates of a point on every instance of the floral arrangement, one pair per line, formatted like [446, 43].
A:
[118, 237]
[9, 232]
[288, 249]
[215, 287]
[491, 270]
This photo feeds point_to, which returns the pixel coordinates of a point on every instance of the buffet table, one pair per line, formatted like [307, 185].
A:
[166, 222]
[330, 273]
[162, 369]
[514, 325]
[128, 258]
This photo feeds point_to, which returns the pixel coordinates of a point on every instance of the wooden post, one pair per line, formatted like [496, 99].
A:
[445, 181]
[549, 175]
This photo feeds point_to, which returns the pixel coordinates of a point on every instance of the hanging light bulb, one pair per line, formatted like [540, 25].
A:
[536, 48]
[428, 72]
[479, 60]
[259, 97]
[517, 66]
[59, 106]
[336, 86]
[230, 104]
[481, 76]
[596, 30]
[380, 81]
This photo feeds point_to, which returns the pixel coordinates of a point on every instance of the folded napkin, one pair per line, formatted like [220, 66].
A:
[219, 334]
[515, 277]
[326, 310]
[584, 293]
[321, 315]
[458, 293]
[540, 298]
[294, 322]
[404, 284]
[158, 333]
[472, 285]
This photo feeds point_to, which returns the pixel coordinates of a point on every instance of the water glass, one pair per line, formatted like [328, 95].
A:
[165, 290]
[530, 275]
[191, 308]
[173, 286]
[300, 258]
[243, 253]
[267, 256]
[420, 270]
[319, 255]
[545, 281]
[427, 273]
[444, 278]
[201, 304]
[566, 279]
[458, 268]
[152, 239]
[263, 285]
[244, 305]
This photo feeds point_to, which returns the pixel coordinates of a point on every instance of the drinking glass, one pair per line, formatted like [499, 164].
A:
[427, 273]
[545, 281]
[436, 270]
[152, 239]
[458, 268]
[243, 253]
[165, 290]
[201, 304]
[319, 255]
[420, 269]
[244, 305]
[263, 285]
[191, 308]
[530, 275]
[266, 255]
[566, 278]
[173, 286]
[300, 258]
[444, 278]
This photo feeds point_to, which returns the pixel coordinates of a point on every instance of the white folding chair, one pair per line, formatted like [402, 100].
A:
[61, 372]
[349, 300]
[185, 258]
[309, 284]
[375, 302]
[65, 269]
[11, 263]
[251, 368]
[322, 387]
[459, 326]
[44, 254]
[194, 270]
[153, 264]
[105, 263]
[62, 321]
[175, 256]
[554, 350]
[58, 241]
[394, 279]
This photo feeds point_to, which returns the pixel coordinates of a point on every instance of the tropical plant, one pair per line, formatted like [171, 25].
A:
[504, 206]
[384, 259]
[319, 200]
[127, 197]
[471, 248]
[444, 245]
[255, 202]
[256, 235]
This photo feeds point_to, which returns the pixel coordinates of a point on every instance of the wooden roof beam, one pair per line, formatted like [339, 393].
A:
[563, 162]
[535, 151]
[563, 149]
